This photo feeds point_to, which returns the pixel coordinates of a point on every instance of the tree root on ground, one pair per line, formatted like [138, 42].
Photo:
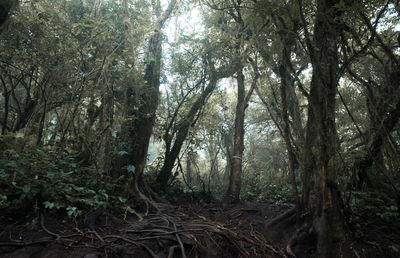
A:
[284, 220]
[301, 242]
[168, 232]
[37, 242]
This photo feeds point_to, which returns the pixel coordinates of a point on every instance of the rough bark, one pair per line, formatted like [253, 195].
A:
[320, 190]
[140, 128]
[285, 89]
[235, 180]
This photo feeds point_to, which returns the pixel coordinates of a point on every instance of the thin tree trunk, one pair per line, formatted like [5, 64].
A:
[6, 100]
[235, 180]
[172, 154]
[285, 79]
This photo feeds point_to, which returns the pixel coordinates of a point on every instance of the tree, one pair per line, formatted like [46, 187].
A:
[380, 87]
[319, 172]
[142, 115]
[318, 154]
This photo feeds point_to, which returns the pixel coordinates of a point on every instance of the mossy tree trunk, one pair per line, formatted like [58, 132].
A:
[235, 179]
[141, 113]
[320, 194]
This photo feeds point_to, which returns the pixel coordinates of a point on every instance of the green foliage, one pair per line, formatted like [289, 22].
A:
[33, 178]
[256, 188]
[375, 205]
[131, 168]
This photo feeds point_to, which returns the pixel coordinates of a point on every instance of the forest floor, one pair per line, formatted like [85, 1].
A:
[177, 231]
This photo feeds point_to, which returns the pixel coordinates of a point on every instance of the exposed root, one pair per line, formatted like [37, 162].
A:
[146, 200]
[45, 229]
[293, 239]
[172, 250]
[166, 232]
[27, 243]
[285, 220]
[179, 239]
[37, 242]
[301, 242]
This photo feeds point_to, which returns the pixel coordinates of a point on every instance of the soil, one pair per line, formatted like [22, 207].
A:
[210, 230]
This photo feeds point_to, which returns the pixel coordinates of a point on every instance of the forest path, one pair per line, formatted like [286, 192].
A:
[178, 231]
[214, 231]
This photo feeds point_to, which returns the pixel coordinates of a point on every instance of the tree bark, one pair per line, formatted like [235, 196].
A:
[140, 127]
[288, 43]
[321, 196]
[285, 79]
[235, 179]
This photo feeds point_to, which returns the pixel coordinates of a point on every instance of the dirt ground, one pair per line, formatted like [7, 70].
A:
[177, 231]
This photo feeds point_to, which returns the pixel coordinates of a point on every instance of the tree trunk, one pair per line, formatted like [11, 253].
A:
[285, 79]
[6, 100]
[235, 180]
[321, 196]
[172, 154]
[140, 128]
[190, 156]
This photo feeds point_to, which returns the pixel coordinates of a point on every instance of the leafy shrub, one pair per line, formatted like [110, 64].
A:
[34, 178]
[373, 205]
[257, 188]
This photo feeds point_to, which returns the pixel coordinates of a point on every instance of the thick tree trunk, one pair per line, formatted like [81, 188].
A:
[141, 127]
[321, 196]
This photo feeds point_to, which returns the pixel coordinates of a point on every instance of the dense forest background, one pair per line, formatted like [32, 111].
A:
[134, 103]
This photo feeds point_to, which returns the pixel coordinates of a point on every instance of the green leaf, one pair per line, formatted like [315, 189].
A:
[3, 198]
[122, 153]
[131, 168]
[123, 200]
[48, 205]
[26, 189]
[72, 211]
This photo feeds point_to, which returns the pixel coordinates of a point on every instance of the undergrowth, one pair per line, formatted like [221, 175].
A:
[43, 179]
[39, 179]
